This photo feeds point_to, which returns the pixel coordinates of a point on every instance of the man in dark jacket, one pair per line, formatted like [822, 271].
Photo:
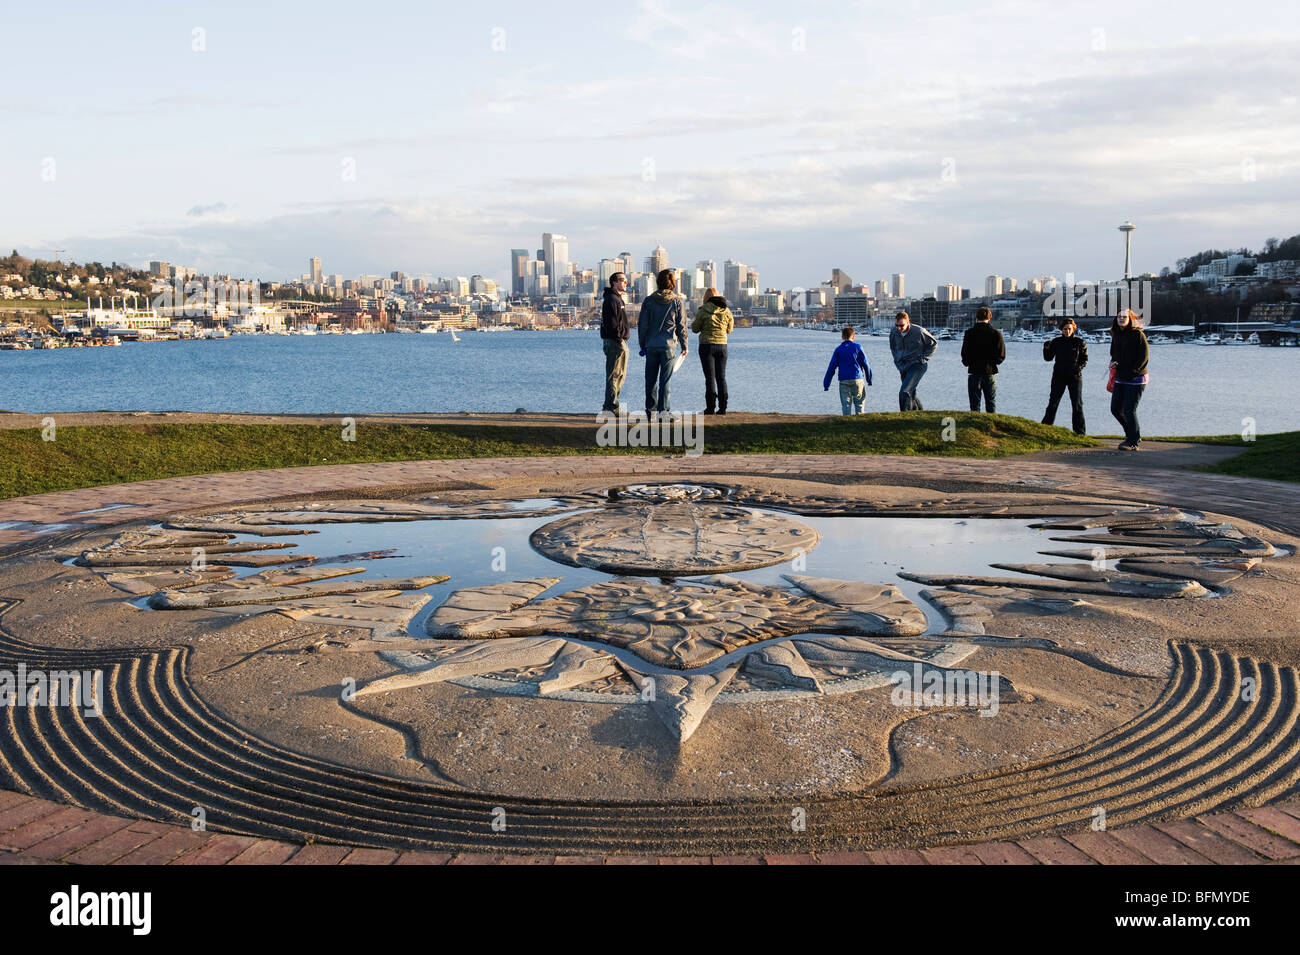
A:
[614, 333]
[1070, 352]
[660, 328]
[982, 350]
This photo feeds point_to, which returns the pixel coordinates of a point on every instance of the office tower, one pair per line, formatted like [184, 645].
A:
[518, 270]
[948, 293]
[556, 253]
[993, 286]
[898, 285]
[882, 289]
[840, 279]
[692, 283]
[315, 270]
[734, 276]
[1008, 285]
[852, 308]
[658, 260]
[709, 270]
[607, 269]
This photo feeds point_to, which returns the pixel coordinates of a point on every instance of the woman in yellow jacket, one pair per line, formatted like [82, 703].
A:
[714, 323]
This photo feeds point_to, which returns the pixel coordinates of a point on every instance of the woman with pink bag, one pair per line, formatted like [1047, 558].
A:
[1129, 353]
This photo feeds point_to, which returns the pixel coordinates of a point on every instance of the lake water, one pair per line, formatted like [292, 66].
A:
[1194, 389]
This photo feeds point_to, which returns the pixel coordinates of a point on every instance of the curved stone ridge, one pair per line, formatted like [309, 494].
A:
[674, 539]
[158, 750]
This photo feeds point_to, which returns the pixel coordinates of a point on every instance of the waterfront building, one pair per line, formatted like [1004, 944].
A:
[852, 308]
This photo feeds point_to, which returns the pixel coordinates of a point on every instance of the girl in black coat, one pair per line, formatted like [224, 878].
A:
[1129, 353]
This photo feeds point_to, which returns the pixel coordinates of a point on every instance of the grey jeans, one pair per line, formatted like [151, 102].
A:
[615, 371]
[853, 395]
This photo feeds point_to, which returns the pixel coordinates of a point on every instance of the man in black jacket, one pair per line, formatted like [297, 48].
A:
[982, 350]
[1070, 352]
[614, 334]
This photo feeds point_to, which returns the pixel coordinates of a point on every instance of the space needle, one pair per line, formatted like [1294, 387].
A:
[1127, 228]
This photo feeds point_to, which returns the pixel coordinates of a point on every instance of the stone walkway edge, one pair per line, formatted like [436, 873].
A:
[39, 832]
[1268, 502]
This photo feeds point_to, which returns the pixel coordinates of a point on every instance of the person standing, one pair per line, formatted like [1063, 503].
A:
[850, 362]
[982, 350]
[614, 333]
[1070, 352]
[714, 322]
[1129, 353]
[660, 328]
[912, 346]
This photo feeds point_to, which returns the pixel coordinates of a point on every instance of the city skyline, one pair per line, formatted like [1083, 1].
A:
[729, 133]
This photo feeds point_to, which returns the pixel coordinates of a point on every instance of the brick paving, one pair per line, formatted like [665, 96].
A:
[38, 831]
[1249, 837]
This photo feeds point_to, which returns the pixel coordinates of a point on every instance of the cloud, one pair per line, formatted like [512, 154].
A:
[213, 209]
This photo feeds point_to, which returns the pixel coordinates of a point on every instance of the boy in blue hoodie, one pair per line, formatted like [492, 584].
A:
[849, 359]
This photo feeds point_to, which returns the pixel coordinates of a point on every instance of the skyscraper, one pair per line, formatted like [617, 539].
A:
[840, 279]
[898, 285]
[734, 277]
[607, 268]
[658, 260]
[993, 286]
[556, 250]
[518, 270]
[882, 289]
[316, 274]
[710, 270]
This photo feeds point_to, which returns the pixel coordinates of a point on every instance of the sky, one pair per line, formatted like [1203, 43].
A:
[947, 141]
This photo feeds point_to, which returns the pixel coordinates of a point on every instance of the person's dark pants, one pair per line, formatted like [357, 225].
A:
[615, 371]
[1124, 405]
[658, 369]
[907, 400]
[714, 360]
[988, 384]
[1075, 385]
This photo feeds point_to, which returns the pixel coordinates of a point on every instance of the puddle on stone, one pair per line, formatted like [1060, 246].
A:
[106, 507]
[476, 551]
[35, 528]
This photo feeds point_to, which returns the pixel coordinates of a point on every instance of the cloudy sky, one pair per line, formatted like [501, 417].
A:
[943, 140]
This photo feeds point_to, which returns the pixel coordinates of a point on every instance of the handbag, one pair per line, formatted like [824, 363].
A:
[1110, 379]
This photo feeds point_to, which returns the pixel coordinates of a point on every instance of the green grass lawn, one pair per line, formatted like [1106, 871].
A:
[114, 454]
[1272, 456]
